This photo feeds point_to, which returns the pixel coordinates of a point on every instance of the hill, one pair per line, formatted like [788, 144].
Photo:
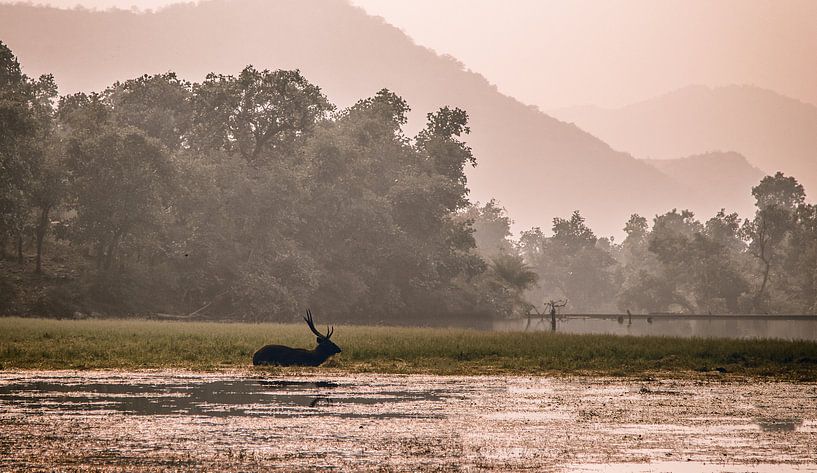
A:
[773, 132]
[714, 177]
[536, 165]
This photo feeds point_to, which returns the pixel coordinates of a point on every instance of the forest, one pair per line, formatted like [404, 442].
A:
[251, 196]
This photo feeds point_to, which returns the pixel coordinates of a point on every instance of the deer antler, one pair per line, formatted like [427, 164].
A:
[311, 325]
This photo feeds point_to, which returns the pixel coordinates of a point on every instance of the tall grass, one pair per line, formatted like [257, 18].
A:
[143, 344]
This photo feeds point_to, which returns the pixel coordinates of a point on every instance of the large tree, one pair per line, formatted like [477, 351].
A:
[120, 184]
[802, 261]
[381, 212]
[160, 105]
[258, 115]
[777, 199]
[25, 128]
[687, 266]
[16, 125]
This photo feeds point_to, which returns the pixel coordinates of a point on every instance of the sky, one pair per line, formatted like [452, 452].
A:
[562, 53]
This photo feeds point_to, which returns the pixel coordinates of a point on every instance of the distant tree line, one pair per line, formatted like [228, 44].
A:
[250, 197]
[679, 264]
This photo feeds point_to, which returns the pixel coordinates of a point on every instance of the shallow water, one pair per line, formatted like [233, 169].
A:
[250, 397]
[72, 421]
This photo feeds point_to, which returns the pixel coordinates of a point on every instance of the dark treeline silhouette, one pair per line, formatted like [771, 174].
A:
[246, 197]
[249, 197]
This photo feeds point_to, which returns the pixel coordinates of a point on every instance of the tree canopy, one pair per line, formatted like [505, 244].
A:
[251, 196]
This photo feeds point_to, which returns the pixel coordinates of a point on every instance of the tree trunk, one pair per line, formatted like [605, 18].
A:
[42, 228]
[767, 268]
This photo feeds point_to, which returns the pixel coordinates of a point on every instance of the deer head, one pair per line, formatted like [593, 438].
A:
[324, 342]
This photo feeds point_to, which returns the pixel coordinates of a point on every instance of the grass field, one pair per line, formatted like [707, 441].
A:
[145, 344]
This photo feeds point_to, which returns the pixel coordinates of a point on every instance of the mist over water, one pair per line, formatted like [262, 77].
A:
[737, 328]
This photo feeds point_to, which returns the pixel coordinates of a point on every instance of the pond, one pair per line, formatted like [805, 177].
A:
[77, 421]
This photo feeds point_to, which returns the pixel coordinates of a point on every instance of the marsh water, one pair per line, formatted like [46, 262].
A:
[77, 421]
[745, 327]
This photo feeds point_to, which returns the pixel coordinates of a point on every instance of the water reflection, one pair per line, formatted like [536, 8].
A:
[213, 398]
[779, 425]
[225, 422]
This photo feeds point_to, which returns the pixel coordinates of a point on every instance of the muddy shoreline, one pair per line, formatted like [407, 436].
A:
[246, 421]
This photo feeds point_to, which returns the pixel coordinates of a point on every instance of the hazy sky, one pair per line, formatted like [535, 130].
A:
[607, 52]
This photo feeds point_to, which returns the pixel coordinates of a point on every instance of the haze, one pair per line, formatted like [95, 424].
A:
[563, 53]
[253, 235]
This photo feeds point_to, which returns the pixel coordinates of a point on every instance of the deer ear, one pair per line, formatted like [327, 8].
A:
[318, 339]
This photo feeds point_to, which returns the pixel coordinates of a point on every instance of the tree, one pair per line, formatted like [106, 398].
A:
[492, 228]
[515, 277]
[120, 180]
[257, 115]
[778, 191]
[572, 264]
[16, 125]
[25, 124]
[84, 114]
[646, 291]
[725, 229]
[350, 166]
[777, 199]
[447, 153]
[802, 261]
[380, 217]
[48, 190]
[633, 255]
[241, 237]
[696, 266]
[159, 105]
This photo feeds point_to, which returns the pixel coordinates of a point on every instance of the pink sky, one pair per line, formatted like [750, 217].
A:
[572, 52]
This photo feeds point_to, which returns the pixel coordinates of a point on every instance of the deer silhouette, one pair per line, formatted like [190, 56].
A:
[287, 356]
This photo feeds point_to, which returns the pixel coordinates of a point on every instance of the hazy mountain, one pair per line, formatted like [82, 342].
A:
[712, 178]
[774, 132]
[537, 166]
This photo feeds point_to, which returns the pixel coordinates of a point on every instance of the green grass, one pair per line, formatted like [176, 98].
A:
[143, 344]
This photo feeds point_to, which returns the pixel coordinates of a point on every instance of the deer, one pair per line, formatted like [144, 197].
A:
[286, 356]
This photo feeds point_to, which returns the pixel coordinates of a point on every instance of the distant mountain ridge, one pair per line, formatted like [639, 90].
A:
[714, 177]
[773, 132]
[537, 166]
